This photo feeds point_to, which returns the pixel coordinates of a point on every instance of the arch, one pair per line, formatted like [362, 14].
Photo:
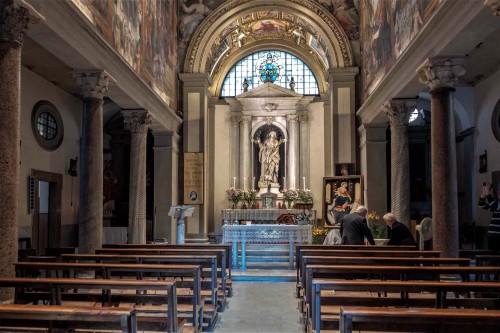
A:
[213, 30]
[258, 125]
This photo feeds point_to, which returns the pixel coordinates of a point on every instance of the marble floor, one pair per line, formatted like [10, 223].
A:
[261, 307]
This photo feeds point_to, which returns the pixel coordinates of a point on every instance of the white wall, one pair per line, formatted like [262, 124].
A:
[486, 97]
[34, 89]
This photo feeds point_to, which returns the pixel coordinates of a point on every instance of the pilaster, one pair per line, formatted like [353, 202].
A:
[293, 151]
[245, 152]
[304, 150]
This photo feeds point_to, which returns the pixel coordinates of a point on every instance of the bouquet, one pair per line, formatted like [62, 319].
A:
[289, 196]
[304, 196]
[319, 236]
[249, 196]
[234, 196]
[378, 229]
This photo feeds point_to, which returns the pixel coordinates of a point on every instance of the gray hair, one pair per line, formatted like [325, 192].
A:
[389, 217]
[361, 210]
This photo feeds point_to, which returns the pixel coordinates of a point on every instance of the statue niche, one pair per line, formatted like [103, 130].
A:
[269, 153]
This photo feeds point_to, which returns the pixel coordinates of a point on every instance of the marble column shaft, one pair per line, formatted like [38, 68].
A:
[293, 151]
[94, 86]
[138, 122]
[235, 148]
[399, 112]
[441, 74]
[304, 150]
[14, 23]
[245, 153]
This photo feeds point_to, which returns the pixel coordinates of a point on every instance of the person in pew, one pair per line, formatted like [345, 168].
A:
[491, 202]
[400, 234]
[354, 228]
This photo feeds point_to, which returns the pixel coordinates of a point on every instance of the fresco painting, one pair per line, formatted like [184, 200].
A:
[141, 32]
[268, 27]
[346, 13]
[387, 29]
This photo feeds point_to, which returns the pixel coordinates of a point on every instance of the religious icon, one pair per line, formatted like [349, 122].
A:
[342, 195]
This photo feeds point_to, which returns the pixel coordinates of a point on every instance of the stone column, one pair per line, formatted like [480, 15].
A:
[137, 121]
[245, 153]
[304, 150]
[373, 146]
[94, 86]
[398, 111]
[235, 148]
[166, 185]
[293, 151]
[440, 74]
[14, 23]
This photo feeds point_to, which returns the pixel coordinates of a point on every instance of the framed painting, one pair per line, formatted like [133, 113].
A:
[341, 196]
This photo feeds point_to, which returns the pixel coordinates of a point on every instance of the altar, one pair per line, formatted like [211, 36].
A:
[260, 216]
[265, 233]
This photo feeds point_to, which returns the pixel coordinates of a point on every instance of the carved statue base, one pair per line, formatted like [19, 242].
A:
[275, 188]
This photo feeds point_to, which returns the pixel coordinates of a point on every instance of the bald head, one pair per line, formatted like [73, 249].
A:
[361, 210]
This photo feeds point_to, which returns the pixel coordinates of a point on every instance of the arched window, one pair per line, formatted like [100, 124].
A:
[278, 67]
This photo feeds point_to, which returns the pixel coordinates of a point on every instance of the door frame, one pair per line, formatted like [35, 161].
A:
[55, 181]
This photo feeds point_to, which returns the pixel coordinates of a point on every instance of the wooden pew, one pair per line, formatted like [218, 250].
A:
[438, 291]
[197, 307]
[55, 289]
[418, 320]
[207, 263]
[67, 317]
[377, 261]
[473, 253]
[226, 283]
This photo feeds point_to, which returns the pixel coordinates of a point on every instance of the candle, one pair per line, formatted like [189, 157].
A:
[244, 183]
[284, 183]
[234, 182]
[293, 180]
[304, 181]
[253, 182]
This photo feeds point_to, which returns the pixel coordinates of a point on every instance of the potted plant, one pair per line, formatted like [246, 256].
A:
[234, 196]
[304, 199]
[249, 196]
[378, 229]
[289, 196]
[319, 236]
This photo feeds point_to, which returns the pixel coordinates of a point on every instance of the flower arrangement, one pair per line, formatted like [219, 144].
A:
[319, 235]
[302, 218]
[289, 196]
[378, 229]
[234, 196]
[249, 196]
[304, 196]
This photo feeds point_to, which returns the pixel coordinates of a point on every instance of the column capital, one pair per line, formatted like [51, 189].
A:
[16, 17]
[94, 83]
[235, 120]
[293, 118]
[304, 119]
[137, 121]
[495, 6]
[399, 110]
[441, 72]
[245, 119]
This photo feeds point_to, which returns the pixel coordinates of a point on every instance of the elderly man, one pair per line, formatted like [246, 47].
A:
[400, 234]
[354, 228]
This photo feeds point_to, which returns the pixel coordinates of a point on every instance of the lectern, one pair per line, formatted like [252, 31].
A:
[180, 212]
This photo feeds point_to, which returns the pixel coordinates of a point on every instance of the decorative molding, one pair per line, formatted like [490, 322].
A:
[292, 118]
[16, 16]
[137, 121]
[495, 6]
[441, 72]
[93, 83]
[399, 111]
[270, 107]
[245, 119]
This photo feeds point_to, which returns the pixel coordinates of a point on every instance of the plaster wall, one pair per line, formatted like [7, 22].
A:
[318, 156]
[34, 89]
[486, 97]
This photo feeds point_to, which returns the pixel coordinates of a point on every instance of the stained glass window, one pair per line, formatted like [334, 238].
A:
[270, 66]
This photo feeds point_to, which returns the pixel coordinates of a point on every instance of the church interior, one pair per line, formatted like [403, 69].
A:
[221, 150]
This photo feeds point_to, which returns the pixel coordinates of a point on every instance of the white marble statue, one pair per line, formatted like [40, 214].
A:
[269, 157]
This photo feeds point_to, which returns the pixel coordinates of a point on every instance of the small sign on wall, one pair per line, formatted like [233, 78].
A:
[193, 178]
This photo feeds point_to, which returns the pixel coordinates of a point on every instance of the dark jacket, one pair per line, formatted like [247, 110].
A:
[401, 235]
[354, 229]
[490, 204]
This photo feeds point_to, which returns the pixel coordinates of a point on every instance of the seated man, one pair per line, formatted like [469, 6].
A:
[400, 234]
[354, 228]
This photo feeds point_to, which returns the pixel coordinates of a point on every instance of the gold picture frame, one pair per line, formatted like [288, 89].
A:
[341, 196]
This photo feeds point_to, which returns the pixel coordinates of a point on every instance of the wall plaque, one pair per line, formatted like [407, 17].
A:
[193, 178]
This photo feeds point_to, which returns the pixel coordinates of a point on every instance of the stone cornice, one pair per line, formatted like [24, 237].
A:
[441, 72]
[137, 121]
[15, 18]
[93, 83]
[399, 110]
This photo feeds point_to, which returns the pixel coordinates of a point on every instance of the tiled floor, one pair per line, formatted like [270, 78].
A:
[261, 307]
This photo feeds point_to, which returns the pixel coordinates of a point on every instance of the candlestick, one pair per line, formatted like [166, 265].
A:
[284, 183]
[253, 182]
[234, 182]
[244, 183]
[304, 181]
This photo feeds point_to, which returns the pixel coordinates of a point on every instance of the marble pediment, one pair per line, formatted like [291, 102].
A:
[269, 90]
